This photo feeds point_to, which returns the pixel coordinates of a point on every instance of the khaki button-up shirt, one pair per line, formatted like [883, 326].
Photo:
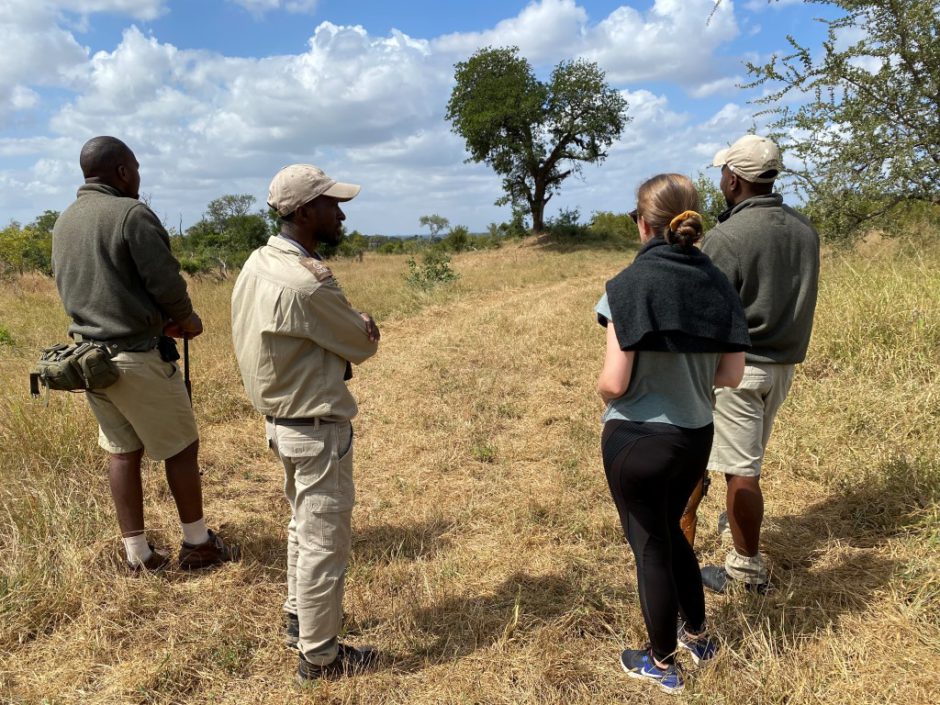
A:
[294, 332]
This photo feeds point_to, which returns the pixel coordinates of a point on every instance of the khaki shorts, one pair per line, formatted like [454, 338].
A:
[147, 407]
[744, 418]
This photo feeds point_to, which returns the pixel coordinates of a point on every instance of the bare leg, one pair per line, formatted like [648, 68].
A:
[745, 503]
[127, 491]
[182, 474]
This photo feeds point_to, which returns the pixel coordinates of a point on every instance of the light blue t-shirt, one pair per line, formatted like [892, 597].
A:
[666, 387]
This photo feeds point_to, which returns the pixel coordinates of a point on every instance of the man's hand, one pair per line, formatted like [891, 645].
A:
[372, 328]
[189, 328]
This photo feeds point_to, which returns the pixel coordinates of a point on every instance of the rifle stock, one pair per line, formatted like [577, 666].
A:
[689, 520]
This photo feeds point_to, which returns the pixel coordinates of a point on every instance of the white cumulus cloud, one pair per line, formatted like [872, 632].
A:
[543, 31]
[367, 108]
[259, 7]
[675, 40]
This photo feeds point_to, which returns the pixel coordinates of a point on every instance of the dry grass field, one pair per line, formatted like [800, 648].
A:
[488, 564]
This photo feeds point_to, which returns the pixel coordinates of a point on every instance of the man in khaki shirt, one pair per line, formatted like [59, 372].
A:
[295, 335]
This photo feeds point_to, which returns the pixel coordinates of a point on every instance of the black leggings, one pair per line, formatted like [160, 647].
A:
[652, 469]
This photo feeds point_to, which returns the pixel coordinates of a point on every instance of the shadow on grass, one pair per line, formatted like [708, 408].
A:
[827, 559]
[519, 607]
[460, 625]
[385, 543]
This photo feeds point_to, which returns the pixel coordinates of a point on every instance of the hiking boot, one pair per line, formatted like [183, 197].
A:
[156, 563]
[716, 579]
[349, 661]
[701, 646]
[291, 630]
[212, 552]
[639, 663]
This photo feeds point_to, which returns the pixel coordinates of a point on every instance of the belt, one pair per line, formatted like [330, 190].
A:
[118, 346]
[297, 421]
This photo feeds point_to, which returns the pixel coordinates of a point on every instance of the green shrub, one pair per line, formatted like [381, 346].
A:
[566, 225]
[435, 269]
[195, 264]
[606, 228]
[29, 248]
[457, 240]
[614, 227]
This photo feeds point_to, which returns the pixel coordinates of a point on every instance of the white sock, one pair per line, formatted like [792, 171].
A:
[195, 532]
[137, 549]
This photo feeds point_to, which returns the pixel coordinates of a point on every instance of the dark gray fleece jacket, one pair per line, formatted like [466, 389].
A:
[770, 253]
[113, 268]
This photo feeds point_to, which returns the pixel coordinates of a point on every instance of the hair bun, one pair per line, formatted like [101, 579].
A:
[682, 217]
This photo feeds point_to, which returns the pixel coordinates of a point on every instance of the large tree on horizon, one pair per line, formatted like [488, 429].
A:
[861, 115]
[534, 134]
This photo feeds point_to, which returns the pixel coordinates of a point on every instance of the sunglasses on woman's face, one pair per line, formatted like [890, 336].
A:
[634, 216]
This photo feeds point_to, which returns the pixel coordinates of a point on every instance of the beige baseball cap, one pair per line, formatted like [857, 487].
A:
[750, 157]
[297, 184]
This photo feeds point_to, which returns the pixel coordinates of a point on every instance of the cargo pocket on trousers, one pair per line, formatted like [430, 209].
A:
[311, 452]
[321, 528]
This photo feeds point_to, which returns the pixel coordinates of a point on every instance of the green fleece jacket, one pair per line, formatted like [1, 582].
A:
[771, 255]
[113, 268]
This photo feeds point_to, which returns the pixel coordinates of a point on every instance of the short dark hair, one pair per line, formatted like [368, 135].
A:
[766, 187]
[102, 155]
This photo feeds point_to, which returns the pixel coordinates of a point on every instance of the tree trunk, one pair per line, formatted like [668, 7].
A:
[537, 208]
[538, 224]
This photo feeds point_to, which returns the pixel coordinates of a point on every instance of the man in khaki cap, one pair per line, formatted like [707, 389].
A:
[295, 335]
[771, 255]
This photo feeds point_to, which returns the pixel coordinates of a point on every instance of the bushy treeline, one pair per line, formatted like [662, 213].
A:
[28, 248]
[231, 228]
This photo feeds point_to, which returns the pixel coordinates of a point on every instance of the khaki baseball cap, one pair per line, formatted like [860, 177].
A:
[750, 157]
[297, 184]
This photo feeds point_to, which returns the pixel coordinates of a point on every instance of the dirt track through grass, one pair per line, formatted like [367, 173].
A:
[488, 564]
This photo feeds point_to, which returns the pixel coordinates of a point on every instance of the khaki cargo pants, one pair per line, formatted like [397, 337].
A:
[318, 482]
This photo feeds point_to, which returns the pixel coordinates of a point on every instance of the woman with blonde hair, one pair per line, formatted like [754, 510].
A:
[675, 328]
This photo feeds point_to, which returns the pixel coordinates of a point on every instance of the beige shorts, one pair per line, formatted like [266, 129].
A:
[744, 419]
[147, 407]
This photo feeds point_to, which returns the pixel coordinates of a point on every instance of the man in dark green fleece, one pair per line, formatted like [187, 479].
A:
[771, 255]
[122, 287]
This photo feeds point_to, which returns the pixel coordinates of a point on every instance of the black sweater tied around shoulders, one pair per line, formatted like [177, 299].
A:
[673, 299]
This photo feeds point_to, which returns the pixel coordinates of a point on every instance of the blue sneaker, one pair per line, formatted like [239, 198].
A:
[702, 647]
[639, 663]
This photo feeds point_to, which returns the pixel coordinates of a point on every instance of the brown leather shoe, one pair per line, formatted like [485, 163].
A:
[156, 563]
[212, 552]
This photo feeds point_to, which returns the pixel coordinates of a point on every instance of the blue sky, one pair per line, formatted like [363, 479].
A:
[215, 95]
